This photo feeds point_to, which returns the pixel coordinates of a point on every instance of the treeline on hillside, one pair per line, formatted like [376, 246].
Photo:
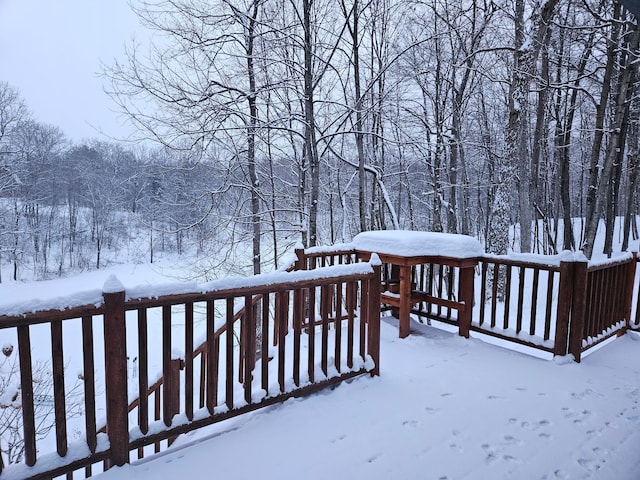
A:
[317, 120]
[76, 207]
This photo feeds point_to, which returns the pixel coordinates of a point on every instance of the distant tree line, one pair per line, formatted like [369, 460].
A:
[66, 206]
[300, 120]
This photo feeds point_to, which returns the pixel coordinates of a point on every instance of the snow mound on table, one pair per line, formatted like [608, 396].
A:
[409, 243]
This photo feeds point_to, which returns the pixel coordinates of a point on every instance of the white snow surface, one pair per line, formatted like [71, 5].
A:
[410, 243]
[443, 408]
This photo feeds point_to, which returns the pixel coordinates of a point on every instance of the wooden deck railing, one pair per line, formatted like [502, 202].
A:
[526, 310]
[562, 308]
[608, 300]
[555, 304]
[324, 325]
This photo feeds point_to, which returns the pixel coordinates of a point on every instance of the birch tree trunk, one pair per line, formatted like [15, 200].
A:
[516, 160]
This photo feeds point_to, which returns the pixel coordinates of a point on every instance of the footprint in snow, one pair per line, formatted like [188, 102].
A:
[589, 464]
[536, 425]
[455, 446]
[577, 416]
[511, 440]
[603, 452]
[559, 474]
[373, 458]
[492, 455]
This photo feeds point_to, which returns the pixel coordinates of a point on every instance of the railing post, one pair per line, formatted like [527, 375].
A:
[115, 353]
[172, 384]
[465, 295]
[578, 305]
[564, 308]
[301, 262]
[373, 340]
[631, 277]
[26, 389]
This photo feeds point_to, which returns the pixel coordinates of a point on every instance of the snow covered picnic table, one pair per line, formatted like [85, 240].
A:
[403, 249]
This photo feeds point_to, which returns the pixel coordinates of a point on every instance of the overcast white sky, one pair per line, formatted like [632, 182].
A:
[51, 51]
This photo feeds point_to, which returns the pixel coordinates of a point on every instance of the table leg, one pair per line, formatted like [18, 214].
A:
[405, 300]
[465, 294]
[395, 279]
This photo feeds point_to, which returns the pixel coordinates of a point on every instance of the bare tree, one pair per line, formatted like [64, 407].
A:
[516, 162]
[202, 82]
[623, 57]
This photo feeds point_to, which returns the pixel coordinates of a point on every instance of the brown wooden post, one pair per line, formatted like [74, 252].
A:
[229, 385]
[373, 322]
[172, 385]
[167, 415]
[210, 365]
[465, 294]
[301, 262]
[58, 387]
[393, 285]
[565, 288]
[631, 277]
[115, 353]
[264, 348]
[247, 332]
[282, 319]
[26, 389]
[325, 298]
[405, 301]
[636, 322]
[578, 304]
[188, 360]
[298, 315]
[88, 381]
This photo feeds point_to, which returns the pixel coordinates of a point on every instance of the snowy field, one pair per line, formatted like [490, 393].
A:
[443, 408]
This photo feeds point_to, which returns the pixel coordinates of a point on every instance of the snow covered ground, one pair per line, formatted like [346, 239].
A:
[443, 408]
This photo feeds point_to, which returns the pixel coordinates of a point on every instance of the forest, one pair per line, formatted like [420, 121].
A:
[268, 123]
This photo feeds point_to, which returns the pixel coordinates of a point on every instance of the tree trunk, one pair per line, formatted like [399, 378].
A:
[617, 135]
[632, 156]
[251, 142]
[359, 104]
[598, 135]
[525, 58]
[311, 147]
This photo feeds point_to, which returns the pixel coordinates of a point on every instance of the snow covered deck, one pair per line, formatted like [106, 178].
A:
[443, 408]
